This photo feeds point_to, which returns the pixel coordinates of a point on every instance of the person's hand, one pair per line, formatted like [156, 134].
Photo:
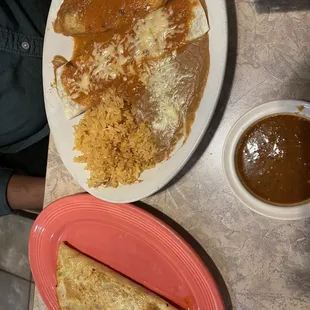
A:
[25, 192]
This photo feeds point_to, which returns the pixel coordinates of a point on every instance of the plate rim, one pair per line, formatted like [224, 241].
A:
[117, 197]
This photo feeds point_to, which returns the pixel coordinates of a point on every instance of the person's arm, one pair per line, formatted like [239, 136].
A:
[25, 192]
[20, 192]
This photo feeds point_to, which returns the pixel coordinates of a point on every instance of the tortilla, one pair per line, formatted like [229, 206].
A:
[71, 108]
[112, 15]
[199, 25]
[84, 284]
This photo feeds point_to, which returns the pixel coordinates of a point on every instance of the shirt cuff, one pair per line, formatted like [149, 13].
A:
[5, 175]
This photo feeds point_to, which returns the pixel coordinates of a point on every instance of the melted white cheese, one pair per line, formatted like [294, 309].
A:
[109, 61]
[151, 33]
[83, 84]
[163, 85]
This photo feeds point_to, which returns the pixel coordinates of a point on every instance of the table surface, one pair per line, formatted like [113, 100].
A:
[265, 263]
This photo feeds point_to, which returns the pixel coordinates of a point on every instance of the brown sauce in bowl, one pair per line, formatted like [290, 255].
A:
[272, 159]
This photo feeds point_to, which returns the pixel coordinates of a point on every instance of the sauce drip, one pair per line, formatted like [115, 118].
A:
[272, 159]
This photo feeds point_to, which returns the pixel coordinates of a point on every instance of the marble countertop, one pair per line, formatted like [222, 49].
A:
[264, 263]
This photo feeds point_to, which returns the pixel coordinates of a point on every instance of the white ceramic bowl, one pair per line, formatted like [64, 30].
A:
[263, 208]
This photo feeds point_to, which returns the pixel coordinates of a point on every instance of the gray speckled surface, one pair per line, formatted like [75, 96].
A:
[265, 263]
[14, 234]
[14, 292]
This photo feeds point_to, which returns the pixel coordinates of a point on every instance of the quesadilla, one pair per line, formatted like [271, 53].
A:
[85, 284]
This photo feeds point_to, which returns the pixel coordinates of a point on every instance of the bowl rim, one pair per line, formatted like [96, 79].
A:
[293, 212]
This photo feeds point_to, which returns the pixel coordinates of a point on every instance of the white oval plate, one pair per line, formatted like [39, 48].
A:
[156, 178]
[256, 205]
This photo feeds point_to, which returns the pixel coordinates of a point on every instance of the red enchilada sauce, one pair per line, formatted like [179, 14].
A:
[272, 159]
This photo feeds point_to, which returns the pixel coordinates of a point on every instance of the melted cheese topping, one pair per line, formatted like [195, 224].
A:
[148, 39]
[108, 62]
[84, 83]
[151, 34]
[163, 85]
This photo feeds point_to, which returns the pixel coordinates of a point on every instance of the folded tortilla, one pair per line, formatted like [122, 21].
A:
[73, 22]
[71, 108]
[199, 25]
[84, 284]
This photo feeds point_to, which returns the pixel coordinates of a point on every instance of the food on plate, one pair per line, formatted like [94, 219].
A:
[83, 283]
[272, 159]
[85, 17]
[115, 148]
[149, 72]
[98, 65]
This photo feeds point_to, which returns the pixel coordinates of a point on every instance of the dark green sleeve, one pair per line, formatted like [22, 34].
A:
[22, 114]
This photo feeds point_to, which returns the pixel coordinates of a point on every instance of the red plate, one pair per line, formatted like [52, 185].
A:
[127, 239]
